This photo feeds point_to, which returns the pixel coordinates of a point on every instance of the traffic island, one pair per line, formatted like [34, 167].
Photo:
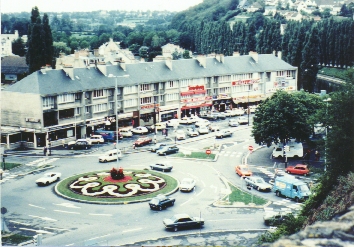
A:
[99, 187]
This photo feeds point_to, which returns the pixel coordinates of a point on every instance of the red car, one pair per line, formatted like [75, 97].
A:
[142, 141]
[299, 169]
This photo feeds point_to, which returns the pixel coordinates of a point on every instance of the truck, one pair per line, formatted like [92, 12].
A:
[290, 187]
[291, 149]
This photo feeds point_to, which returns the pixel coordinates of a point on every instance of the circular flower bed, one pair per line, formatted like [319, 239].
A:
[100, 187]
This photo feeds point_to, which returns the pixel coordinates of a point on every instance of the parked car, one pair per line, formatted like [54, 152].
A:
[161, 201]
[203, 130]
[157, 146]
[143, 141]
[213, 128]
[273, 218]
[218, 115]
[172, 122]
[243, 120]
[187, 184]
[208, 116]
[96, 139]
[298, 169]
[238, 111]
[109, 135]
[192, 132]
[167, 150]
[160, 126]
[80, 144]
[161, 167]
[186, 120]
[223, 133]
[233, 122]
[150, 128]
[110, 155]
[194, 118]
[180, 135]
[183, 221]
[258, 183]
[126, 132]
[140, 130]
[48, 178]
[230, 113]
[243, 171]
[202, 122]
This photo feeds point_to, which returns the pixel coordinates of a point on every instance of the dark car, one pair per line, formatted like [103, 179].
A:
[161, 167]
[157, 146]
[276, 218]
[168, 150]
[161, 202]
[183, 221]
[79, 145]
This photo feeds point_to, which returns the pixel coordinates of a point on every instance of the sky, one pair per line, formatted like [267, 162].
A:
[44, 6]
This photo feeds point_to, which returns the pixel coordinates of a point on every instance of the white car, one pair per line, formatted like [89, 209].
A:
[180, 135]
[203, 130]
[192, 132]
[96, 139]
[238, 111]
[126, 132]
[242, 120]
[194, 118]
[186, 120]
[48, 178]
[202, 122]
[258, 183]
[213, 127]
[110, 155]
[229, 113]
[187, 184]
[140, 130]
[233, 122]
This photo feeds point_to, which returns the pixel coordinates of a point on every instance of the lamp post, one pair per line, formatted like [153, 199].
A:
[248, 106]
[116, 109]
[155, 122]
[325, 155]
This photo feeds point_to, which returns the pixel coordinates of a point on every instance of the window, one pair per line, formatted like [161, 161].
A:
[171, 84]
[130, 102]
[87, 109]
[66, 98]
[100, 107]
[184, 83]
[146, 100]
[48, 102]
[77, 96]
[98, 93]
[280, 73]
[110, 92]
[129, 90]
[172, 96]
[145, 87]
[111, 105]
[77, 111]
[224, 90]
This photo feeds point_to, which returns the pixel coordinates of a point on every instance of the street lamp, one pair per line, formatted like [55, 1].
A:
[248, 107]
[116, 110]
[326, 100]
[155, 121]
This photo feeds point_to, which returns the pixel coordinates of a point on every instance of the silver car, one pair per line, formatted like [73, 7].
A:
[233, 123]
[203, 130]
[258, 183]
[187, 184]
[192, 132]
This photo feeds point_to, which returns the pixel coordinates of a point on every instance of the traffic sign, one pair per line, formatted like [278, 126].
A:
[250, 148]
[208, 151]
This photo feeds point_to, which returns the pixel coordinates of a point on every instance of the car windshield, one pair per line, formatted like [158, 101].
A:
[259, 180]
[187, 181]
[155, 200]
[303, 188]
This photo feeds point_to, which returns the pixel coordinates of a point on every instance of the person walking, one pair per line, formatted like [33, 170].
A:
[317, 156]
[45, 151]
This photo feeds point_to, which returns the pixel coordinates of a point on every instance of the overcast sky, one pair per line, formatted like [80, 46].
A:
[45, 6]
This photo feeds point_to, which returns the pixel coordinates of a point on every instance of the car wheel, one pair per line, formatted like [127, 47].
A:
[57, 178]
[297, 199]
[151, 168]
[278, 194]
[305, 174]
[71, 148]
[163, 170]
[172, 203]
[165, 154]
[160, 208]
[46, 183]
[175, 228]
[288, 172]
[86, 147]
[105, 161]
[258, 188]
[221, 137]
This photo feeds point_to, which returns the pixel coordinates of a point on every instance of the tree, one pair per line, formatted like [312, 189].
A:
[48, 40]
[18, 47]
[36, 47]
[186, 55]
[60, 47]
[284, 116]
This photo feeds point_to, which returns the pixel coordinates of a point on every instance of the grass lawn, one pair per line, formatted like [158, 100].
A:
[63, 188]
[196, 155]
[238, 195]
[9, 166]
[14, 239]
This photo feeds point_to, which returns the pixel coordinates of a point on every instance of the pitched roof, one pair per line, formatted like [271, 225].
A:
[57, 82]
[13, 65]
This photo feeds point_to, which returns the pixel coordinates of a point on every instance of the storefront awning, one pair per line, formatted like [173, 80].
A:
[194, 106]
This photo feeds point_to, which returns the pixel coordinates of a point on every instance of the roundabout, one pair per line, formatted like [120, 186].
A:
[103, 187]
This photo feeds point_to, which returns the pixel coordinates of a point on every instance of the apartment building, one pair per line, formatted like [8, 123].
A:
[64, 104]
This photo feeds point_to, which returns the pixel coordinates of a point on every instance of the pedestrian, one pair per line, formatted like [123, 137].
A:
[133, 145]
[63, 142]
[308, 154]
[317, 156]
[45, 151]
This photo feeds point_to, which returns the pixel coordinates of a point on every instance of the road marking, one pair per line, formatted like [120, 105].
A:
[200, 192]
[42, 218]
[37, 231]
[68, 205]
[99, 237]
[57, 229]
[186, 202]
[67, 212]
[101, 214]
[35, 206]
[20, 223]
[132, 230]
[202, 183]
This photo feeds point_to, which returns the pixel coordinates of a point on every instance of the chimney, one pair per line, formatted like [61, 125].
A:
[168, 63]
[69, 70]
[254, 55]
[43, 70]
[274, 52]
[202, 60]
[95, 52]
[123, 65]
[279, 54]
[236, 54]
[220, 58]
[102, 68]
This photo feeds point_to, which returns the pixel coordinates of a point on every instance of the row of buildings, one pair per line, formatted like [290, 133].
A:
[57, 105]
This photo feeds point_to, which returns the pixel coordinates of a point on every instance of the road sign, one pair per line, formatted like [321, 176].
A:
[208, 151]
[250, 148]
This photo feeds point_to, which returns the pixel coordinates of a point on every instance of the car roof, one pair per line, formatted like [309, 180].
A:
[178, 216]
[187, 179]
[302, 165]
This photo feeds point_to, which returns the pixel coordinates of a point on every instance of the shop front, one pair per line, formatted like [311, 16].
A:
[168, 112]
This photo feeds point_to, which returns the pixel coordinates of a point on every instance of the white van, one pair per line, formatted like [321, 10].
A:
[126, 132]
[295, 150]
[110, 156]
[172, 122]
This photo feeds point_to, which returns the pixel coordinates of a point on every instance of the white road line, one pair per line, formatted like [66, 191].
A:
[35, 206]
[42, 218]
[20, 223]
[37, 231]
[200, 192]
[68, 212]
[202, 183]
[186, 202]
[70, 244]
[99, 237]
[132, 230]
[101, 214]
[56, 229]
[68, 205]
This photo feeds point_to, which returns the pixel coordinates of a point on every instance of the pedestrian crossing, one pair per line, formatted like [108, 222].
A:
[41, 162]
[284, 205]
[230, 154]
